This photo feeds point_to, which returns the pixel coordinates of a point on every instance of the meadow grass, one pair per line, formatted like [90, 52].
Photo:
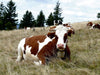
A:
[84, 46]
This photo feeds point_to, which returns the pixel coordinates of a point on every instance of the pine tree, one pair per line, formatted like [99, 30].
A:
[40, 19]
[50, 19]
[28, 20]
[2, 11]
[10, 15]
[57, 12]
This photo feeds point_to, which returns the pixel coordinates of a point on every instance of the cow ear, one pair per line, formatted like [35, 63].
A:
[71, 32]
[51, 35]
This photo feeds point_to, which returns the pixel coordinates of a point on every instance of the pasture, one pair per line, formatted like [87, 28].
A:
[84, 46]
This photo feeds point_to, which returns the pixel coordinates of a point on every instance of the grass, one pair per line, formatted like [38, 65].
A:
[84, 46]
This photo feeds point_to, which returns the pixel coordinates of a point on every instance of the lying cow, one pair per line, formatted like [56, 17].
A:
[43, 47]
[95, 26]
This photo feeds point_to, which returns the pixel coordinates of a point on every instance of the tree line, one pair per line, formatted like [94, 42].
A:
[9, 21]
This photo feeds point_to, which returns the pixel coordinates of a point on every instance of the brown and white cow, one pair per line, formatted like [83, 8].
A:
[95, 26]
[41, 48]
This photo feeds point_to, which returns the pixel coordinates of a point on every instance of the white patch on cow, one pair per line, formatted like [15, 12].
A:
[28, 55]
[60, 32]
[20, 50]
[42, 44]
[92, 26]
[38, 63]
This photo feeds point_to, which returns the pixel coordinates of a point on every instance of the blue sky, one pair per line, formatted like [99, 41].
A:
[72, 10]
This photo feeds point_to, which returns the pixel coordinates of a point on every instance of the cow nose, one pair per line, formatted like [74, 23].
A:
[60, 46]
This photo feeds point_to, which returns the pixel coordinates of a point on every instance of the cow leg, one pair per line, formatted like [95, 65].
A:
[20, 55]
[42, 59]
[20, 50]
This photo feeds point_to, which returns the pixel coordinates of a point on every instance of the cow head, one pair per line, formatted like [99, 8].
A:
[89, 24]
[61, 34]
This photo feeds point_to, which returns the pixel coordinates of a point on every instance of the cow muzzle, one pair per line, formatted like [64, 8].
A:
[60, 46]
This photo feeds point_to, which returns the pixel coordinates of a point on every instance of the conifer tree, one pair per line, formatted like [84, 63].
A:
[28, 20]
[57, 12]
[40, 19]
[50, 19]
[2, 11]
[10, 16]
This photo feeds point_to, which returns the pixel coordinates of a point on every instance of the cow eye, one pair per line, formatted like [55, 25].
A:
[51, 35]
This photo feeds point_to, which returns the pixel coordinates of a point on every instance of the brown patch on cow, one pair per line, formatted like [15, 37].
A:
[71, 32]
[51, 34]
[32, 42]
[48, 51]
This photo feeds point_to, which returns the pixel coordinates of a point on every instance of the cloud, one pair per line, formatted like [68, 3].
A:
[88, 3]
[72, 10]
[65, 1]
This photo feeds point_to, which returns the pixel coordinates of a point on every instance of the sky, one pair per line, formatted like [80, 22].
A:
[72, 10]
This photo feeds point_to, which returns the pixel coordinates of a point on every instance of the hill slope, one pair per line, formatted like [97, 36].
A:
[84, 46]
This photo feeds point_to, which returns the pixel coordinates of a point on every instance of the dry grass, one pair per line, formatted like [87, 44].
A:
[84, 46]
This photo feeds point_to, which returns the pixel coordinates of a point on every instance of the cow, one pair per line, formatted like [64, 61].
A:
[41, 48]
[95, 26]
